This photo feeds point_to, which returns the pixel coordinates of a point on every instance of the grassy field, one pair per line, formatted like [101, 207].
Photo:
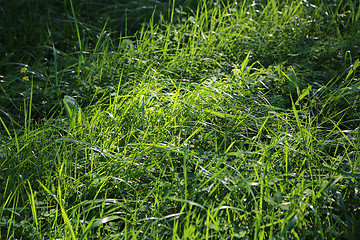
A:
[179, 119]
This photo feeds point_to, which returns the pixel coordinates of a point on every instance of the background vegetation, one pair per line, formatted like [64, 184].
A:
[179, 119]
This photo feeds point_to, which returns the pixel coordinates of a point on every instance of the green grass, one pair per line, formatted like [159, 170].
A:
[200, 120]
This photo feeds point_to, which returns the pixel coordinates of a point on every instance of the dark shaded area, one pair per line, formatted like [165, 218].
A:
[39, 33]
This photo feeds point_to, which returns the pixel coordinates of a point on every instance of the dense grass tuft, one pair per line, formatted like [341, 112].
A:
[200, 120]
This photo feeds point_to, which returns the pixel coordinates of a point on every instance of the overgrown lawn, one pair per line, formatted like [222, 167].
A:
[209, 120]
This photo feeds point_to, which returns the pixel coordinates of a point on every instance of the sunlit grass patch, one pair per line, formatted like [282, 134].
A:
[217, 122]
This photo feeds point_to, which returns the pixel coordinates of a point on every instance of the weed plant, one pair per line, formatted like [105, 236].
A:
[203, 120]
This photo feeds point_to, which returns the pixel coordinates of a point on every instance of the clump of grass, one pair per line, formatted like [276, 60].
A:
[203, 126]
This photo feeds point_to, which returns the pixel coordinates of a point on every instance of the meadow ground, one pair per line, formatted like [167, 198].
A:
[179, 119]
